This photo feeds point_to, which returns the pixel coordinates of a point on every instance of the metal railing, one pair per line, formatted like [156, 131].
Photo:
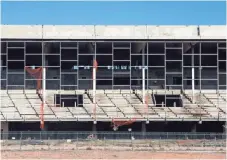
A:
[159, 141]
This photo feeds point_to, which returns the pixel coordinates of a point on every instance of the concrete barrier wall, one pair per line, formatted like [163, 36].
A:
[112, 32]
[22, 31]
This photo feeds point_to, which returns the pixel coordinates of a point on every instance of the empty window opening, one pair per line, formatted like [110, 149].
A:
[15, 54]
[191, 48]
[15, 44]
[174, 45]
[139, 47]
[209, 47]
[68, 100]
[170, 100]
[34, 47]
[156, 48]
[52, 60]
[122, 44]
[51, 47]
[222, 54]
[177, 80]
[86, 47]
[156, 60]
[121, 80]
[173, 54]
[70, 44]
[104, 60]
[103, 82]
[104, 47]
[3, 47]
[121, 54]
[69, 54]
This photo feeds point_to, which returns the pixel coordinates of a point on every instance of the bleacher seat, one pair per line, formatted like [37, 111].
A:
[121, 104]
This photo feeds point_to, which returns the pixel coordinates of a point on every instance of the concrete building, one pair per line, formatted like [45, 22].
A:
[170, 64]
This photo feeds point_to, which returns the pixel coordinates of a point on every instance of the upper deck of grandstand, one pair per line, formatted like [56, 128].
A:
[181, 69]
[19, 105]
[85, 32]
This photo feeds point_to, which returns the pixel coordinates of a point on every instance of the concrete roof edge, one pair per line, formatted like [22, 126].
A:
[115, 25]
[113, 31]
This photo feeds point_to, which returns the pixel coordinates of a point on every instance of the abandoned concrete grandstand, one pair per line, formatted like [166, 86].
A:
[160, 78]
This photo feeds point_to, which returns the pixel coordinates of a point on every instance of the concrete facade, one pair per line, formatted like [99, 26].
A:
[112, 32]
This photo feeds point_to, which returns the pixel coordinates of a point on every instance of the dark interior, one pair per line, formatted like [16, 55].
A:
[69, 100]
[169, 99]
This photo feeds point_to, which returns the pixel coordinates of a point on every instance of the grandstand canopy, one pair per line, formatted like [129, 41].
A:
[113, 32]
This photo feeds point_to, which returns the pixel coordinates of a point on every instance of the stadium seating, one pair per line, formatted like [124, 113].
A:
[18, 105]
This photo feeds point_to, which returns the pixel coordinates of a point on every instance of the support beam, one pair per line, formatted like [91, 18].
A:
[144, 129]
[193, 76]
[143, 74]
[193, 84]
[43, 105]
[94, 128]
[143, 77]
[94, 87]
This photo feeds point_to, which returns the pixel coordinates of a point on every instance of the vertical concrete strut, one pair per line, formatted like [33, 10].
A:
[94, 87]
[193, 76]
[44, 98]
[143, 77]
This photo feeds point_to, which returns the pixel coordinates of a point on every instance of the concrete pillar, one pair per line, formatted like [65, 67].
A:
[5, 129]
[193, 76]
[94, 129]
[193, 128]
[94, 87]
[144, 129]
[193, 85]
[44, 98]
[44, 134]
[143, 77]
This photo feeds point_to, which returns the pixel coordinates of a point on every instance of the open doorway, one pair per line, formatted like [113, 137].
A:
[170, 100]
[67, 100]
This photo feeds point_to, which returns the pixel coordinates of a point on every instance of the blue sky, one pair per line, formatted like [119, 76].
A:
[107, 13]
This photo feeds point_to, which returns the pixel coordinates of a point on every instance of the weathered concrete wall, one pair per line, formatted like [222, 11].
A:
[213, 32]
[112, 32]
[21, 31]
[68, 32]
[172, 32]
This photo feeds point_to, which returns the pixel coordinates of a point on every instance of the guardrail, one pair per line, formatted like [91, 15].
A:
[42, 135]
[160, 141]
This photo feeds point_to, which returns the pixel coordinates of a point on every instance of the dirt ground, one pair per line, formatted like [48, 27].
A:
[105, 154]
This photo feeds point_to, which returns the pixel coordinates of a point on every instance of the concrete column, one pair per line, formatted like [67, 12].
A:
[193, 76]
[144, 129]
[4, 128]
[94, 129]
[44, 134]
[193, 128]
[143, 77]
[193, 84]
[94, 88]
[44, 97]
